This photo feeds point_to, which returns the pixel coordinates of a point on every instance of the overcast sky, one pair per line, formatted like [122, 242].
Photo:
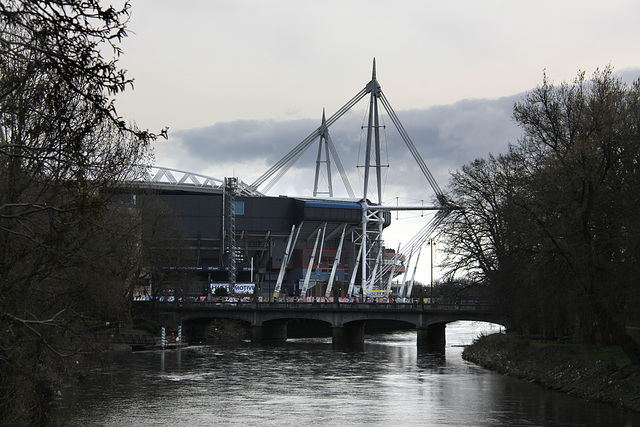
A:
[240, 83]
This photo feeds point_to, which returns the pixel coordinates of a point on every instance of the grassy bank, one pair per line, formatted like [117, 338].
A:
[603, 374]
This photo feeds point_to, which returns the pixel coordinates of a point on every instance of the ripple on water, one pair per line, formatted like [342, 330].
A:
[308, 382]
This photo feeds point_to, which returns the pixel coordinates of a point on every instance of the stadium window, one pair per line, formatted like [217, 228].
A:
[239, 207]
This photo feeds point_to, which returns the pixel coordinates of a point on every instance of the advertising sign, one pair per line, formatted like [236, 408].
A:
[240, 288]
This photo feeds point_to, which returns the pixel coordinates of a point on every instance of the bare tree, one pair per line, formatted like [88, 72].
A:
[552, 226]
[63, 152]
[483, 234]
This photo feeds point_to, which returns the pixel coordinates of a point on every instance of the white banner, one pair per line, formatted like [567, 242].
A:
[240, 288]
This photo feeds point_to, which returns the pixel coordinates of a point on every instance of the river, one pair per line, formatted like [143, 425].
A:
[308, 382]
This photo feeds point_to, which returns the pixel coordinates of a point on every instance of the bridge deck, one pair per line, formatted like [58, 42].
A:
[327, 306]
[269, 319]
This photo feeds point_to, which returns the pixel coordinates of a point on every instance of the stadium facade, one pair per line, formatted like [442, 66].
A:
[263, 228]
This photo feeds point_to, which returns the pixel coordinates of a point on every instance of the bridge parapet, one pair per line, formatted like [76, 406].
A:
[324, 306]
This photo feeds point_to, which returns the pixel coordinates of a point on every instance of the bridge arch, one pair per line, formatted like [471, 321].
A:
[203, 327]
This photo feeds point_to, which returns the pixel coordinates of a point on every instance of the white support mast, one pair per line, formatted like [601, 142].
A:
[285, 259]
[305, 286]
[413, 276]
[394, 260]
[336, 261]
[352, 281]
[404, 277]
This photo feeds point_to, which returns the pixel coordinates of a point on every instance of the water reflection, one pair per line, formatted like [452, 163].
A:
[308, 381]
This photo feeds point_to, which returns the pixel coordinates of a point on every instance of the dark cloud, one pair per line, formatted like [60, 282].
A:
[447, 137]
[226, 141]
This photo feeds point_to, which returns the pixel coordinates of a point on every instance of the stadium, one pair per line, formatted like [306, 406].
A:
[279, 247]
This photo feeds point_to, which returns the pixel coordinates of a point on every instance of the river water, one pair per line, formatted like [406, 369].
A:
[386, 382]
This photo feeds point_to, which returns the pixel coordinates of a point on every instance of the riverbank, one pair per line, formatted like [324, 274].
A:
[602, 374]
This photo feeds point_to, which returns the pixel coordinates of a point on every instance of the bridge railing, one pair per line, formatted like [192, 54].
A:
[325, 306]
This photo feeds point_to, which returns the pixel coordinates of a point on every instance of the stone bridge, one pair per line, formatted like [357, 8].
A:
[347, 321]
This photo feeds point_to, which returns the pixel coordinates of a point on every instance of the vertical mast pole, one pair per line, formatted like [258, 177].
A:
[329, 182]
[318, 162]
[374, 96]
[367, 167]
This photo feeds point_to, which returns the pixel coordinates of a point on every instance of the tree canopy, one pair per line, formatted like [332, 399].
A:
[551, 227]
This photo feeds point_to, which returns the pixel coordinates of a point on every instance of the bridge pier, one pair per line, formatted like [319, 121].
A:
[345, 335]
[432, 336]
[274, 331]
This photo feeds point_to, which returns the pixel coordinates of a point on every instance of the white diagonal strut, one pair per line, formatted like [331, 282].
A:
[336, 261]
[305, 286]
[285, 259]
